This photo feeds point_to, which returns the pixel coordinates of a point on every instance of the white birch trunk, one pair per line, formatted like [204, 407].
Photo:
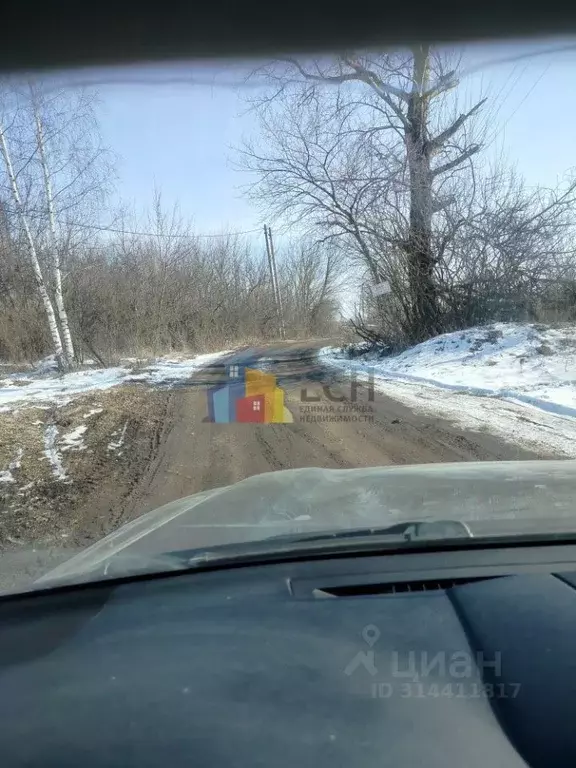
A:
[49, 309]
[62, 314]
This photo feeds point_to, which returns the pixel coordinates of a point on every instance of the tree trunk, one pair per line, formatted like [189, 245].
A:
[62, 314]
[48, 308]
[424, 312]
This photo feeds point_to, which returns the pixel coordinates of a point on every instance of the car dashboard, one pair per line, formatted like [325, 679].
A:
[438, 658]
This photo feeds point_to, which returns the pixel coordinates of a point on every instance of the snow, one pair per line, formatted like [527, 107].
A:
[517, 380]
[51, 452]
[92, 412]
[72, 441]
[6, 475]
[43, 385]
[266, 364]
[114, 445]
[15, 463]
[528, 363]
[47, 365]
[61, 389]
[513, 422]
[171, 371]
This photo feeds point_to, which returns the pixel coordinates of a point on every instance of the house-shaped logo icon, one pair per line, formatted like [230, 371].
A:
[249, 396]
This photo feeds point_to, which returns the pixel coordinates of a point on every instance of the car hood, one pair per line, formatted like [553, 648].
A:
[492, 497]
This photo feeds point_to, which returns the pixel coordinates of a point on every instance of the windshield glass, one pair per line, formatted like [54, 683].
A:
[356, 270]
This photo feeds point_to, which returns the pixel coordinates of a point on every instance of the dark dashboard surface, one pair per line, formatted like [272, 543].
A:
[435, 659]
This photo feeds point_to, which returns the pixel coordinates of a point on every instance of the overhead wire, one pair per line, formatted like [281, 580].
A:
[35, 214]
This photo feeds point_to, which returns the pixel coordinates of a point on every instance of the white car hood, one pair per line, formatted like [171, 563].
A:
[492, 497]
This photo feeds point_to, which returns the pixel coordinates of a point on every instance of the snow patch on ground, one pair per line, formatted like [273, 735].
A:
[532, 364]
[114, 445]
[43, 384]
[516, 423]
[266, 364]
[175, 370]
[516, 380]
[61, 389]
[15, 463]
[73, 440]
[47, 365]
[6, 475]
[92, 412]
[52, 453]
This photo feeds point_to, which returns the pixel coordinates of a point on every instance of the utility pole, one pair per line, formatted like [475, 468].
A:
[274, 279]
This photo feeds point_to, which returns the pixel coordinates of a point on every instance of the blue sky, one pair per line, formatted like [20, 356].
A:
[179, 137]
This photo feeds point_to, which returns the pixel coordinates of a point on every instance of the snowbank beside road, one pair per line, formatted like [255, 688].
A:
[516, 381]
[44, 386]
[532, 364]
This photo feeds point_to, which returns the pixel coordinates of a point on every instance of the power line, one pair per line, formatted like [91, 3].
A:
[160, 234]
[500, 129]
[151, 81]
[569, 48]
[116, 230]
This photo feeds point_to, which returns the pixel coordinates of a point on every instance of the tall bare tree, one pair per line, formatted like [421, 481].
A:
[396, 104]
[32, 251]
[36, 105]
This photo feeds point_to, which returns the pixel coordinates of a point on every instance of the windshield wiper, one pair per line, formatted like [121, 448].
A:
[317, 541]
[408, 530]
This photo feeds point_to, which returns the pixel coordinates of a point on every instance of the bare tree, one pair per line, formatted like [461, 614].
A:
[32, 251]
[395, 105]
[61, 174]
[501, 246]
[310, 278]
[35, 102]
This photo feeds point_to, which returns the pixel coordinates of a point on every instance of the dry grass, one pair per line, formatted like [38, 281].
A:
[8, 369]
[23, 429]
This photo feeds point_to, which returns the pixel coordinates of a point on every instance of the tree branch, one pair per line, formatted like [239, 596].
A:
[371, 78]
[472, 150]
[360, 74]
[382, 89]
[437, 143]
[445, 83]
[336, 79]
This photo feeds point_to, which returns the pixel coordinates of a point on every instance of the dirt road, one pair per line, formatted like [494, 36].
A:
[362, 429]
[171, 451]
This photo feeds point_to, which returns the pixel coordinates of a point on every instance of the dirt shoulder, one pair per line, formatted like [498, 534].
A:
[71, 466]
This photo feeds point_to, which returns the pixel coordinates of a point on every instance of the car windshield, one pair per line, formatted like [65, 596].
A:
[286, 297]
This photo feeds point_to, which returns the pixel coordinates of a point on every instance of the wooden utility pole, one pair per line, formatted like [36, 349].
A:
[274, 279]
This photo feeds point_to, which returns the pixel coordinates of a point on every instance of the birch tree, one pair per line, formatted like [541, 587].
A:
[32, 251]
[48, 191]
[57, 174]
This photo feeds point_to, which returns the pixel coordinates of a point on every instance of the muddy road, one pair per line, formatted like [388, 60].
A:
[338, 427]
[172, 450]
